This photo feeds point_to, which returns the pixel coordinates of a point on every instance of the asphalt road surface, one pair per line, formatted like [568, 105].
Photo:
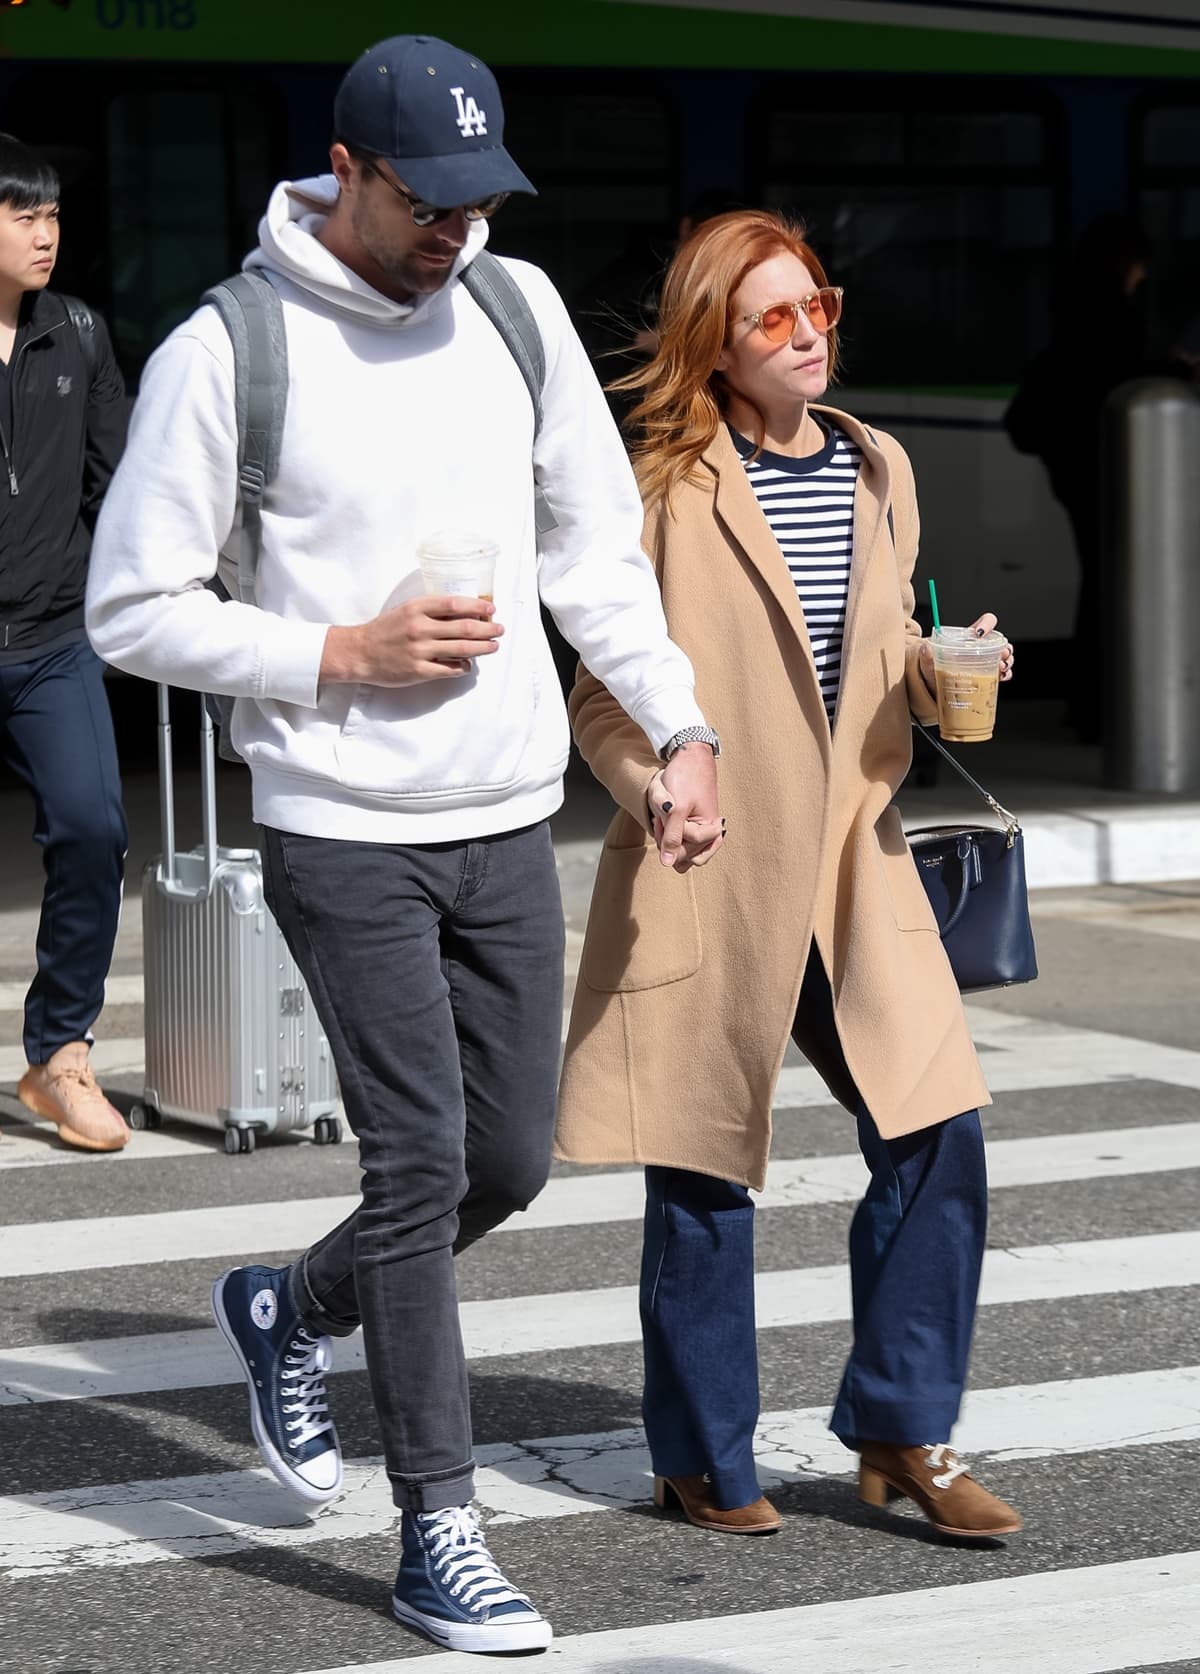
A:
[139, 1536]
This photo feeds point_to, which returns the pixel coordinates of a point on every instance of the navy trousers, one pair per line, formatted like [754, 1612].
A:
[56, 735]
[916, 1251]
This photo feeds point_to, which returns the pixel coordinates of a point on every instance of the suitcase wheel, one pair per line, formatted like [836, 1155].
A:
[327, 1130]
[143, 1117]
[239, 1140]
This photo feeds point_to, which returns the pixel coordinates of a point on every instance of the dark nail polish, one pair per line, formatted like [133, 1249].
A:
[667, 806]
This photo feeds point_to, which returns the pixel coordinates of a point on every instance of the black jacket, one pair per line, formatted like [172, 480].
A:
[63, 415]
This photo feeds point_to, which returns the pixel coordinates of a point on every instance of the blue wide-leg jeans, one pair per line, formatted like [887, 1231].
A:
[916, 1252]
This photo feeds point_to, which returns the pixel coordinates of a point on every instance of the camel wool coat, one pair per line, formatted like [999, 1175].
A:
[689, 982]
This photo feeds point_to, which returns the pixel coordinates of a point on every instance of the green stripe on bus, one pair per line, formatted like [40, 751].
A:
[587, 33]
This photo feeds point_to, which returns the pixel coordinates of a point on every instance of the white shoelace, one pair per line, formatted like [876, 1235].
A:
[462, 1561]
[302, 1387]
[944, 1454]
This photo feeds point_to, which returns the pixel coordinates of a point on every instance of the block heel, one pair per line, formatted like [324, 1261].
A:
[665, 1497]
[874, 1489]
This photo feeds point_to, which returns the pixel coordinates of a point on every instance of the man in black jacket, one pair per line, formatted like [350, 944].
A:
[62, 427]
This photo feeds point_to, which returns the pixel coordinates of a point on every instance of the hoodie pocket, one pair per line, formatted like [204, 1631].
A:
[443, 739]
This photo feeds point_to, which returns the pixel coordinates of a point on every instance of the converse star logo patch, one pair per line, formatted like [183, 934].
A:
[470, 119]
[264, 1309]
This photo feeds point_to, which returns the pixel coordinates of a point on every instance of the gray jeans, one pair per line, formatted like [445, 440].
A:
[437, 971]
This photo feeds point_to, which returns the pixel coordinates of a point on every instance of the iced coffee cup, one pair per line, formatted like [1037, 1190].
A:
[457, 562]
[966, 668]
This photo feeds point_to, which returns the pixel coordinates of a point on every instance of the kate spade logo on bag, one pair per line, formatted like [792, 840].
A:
[470, 119]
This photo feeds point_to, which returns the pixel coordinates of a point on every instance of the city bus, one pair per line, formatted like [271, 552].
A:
[943, 156]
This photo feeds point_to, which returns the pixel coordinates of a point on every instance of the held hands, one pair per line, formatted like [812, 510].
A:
[981, 625]
[683, 810]
[422, 639]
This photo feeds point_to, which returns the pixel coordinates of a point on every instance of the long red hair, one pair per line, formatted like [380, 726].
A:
[684, 396]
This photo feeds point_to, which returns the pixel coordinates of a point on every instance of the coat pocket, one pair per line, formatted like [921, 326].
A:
[643, 929]
[910, 904]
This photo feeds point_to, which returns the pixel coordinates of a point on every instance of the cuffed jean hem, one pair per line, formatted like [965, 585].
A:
[434, 1493]
[733, 1489]
[909, 1424]
[310, 1310]
[735, 1486]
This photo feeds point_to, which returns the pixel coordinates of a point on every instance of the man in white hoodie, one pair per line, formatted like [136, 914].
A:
[406, 751]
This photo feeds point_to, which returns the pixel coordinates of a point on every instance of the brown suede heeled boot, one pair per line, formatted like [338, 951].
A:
[938, 1482]
[693, 1496]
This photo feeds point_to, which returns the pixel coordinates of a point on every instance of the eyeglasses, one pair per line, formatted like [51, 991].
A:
[427, 214]
[822, 309]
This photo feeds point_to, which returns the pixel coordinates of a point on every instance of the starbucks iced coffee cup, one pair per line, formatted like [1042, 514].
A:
[967, 671]
[458, 562]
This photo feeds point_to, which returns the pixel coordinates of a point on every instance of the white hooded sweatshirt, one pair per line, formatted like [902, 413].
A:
[402, 419]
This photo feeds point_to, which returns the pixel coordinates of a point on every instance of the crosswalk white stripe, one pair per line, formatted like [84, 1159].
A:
[114, 1055]
[558, 1476]
[37, 1145]
[118, 991]
[1017, 1065]
[516, 1325]
[577, 1200]
[1027, 1054]
[1070, 1621]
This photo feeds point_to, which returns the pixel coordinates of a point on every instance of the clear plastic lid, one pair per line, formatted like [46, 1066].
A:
[457, 543]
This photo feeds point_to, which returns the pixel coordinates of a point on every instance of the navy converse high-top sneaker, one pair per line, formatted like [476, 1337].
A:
[284, 1365]
[451, 1588]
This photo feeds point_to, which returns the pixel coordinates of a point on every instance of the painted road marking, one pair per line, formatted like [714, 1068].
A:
[585, 1318]
[557, 1476]
[1085, 1621]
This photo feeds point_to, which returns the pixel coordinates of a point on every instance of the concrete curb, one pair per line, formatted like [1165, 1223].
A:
[1064, 849]
[1109, 845]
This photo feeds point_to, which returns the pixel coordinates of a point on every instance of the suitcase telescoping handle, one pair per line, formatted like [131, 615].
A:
[166, 790]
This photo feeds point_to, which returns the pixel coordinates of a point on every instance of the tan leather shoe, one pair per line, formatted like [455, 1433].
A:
[693, 1496]
[936, 1479]
[64, 1091]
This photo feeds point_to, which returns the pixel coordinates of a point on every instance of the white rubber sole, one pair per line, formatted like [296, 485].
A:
[271, 1456]
[530, 1635]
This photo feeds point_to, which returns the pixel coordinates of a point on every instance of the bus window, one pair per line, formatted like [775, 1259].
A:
[603, 161]
[1166, 143]
[186, 184]
[164, 177]
[940, 223]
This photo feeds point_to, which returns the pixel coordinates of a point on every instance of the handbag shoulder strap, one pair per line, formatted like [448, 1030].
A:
[1012, 824]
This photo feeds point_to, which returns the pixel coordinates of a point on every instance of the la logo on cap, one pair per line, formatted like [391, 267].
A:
[471, 120]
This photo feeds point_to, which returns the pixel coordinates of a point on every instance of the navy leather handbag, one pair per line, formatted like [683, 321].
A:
[974, 876]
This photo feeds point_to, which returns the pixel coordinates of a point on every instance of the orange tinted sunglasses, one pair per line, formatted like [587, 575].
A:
[822, 309]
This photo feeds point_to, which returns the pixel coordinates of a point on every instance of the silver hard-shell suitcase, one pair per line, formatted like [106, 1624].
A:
[232, 1037]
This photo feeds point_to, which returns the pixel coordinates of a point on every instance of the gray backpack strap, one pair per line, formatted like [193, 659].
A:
[250, 308]
[491, 285]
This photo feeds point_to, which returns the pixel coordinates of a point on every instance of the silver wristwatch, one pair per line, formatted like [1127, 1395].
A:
[691, 735]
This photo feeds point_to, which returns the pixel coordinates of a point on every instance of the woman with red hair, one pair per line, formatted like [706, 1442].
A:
[784, 535]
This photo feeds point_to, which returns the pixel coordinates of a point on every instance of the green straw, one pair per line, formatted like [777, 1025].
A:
[937, 621]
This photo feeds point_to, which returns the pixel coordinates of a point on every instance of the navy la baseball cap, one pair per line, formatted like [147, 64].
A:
[433, 113]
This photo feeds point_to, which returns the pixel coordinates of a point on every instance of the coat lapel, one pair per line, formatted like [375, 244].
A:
[872, 504]
[738, 509]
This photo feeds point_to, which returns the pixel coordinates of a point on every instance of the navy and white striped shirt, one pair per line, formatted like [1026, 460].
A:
[809, 505]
